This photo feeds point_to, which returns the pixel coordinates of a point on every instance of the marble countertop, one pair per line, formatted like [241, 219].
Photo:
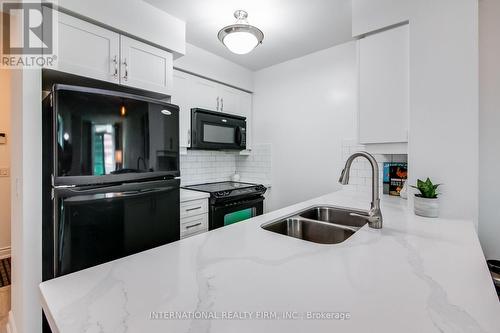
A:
[190, 195]
[414, 275]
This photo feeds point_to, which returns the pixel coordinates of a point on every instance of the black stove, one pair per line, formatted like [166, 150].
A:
[232, 202]
[225, 191]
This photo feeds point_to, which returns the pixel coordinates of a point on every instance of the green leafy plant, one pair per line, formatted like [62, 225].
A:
[427, 189]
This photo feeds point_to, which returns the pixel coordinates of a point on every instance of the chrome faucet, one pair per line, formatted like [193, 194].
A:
[374, 217]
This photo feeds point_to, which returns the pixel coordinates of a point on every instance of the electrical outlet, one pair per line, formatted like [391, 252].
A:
[4, 172]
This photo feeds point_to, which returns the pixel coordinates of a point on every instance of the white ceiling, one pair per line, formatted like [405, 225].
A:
[292, 28]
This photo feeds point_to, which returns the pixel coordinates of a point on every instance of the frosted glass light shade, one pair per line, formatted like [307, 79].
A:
[240, 42]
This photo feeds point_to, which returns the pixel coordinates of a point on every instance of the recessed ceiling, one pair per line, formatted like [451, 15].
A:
[292, 28]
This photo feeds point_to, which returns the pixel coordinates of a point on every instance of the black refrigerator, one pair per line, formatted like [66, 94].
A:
[110, 177]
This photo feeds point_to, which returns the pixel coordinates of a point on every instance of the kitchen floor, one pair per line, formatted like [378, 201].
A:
[4, 309]
[4, 293]
[3, 324]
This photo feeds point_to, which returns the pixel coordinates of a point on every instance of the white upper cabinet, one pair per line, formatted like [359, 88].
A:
[145, 67]
[229, 99]
[371, 15]
[191, 91]
[136, 18]
[204, 94]
[91, 51]
[384, 86]
[87, 50]
[181, 96]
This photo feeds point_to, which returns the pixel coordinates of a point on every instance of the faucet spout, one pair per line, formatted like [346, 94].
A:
[374, 217]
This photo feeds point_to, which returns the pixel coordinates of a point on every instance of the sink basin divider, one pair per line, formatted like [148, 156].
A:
[330, 224]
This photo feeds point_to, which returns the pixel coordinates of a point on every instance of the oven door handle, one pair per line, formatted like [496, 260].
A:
[240, 203]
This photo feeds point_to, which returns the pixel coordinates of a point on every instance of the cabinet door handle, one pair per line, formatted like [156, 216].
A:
[125, 77]
[191, 209]
[222, 104]
[189, 137]
[217, 103]
[115, 62]
[193, 225]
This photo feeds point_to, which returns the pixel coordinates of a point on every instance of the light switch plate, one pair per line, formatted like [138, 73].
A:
[4, 172]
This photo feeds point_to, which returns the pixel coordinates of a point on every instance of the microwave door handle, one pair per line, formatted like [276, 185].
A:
[239, 136]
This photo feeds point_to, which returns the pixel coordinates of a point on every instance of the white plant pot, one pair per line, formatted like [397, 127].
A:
[426, 207]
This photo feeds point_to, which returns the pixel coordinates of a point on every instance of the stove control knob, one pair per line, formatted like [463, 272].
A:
[261, 188]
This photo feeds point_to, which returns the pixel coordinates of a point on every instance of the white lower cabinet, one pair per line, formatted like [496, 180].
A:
[194, 225]
[191, 91]
[194, 217]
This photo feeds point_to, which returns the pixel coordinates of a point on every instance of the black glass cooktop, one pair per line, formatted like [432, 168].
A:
[222, 186]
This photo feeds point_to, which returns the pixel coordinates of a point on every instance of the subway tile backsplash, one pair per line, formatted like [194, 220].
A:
[200, 166]
[361, 172]
[256, 167]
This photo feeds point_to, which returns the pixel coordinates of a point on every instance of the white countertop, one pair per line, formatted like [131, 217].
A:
[414, 275]
[190, 195]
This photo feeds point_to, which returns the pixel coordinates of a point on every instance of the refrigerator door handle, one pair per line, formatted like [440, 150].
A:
[126, 188]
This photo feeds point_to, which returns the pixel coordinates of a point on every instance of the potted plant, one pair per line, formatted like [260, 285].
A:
[426, 202]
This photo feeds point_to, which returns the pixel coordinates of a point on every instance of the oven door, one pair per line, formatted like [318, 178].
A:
[232, 212]
[97, 225]
[216, 130]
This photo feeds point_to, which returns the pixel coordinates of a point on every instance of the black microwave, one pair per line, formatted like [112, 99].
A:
[213, 130]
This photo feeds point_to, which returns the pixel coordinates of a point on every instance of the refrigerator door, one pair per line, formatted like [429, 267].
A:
[103, 137]
[96, 225]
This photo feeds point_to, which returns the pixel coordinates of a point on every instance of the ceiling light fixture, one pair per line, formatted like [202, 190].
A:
[241, 37]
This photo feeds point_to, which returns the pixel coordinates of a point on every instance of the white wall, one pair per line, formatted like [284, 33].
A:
[209, 65]
[26, 203]
[5, 161]
[443, 141]
[489, 127]
[304, 108]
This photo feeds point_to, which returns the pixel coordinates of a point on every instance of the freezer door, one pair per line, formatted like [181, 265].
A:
[93, 226]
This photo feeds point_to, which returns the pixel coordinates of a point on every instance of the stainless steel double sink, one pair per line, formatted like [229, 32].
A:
[320, 224]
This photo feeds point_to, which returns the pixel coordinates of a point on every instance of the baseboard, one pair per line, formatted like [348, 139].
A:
[5, 252]
[11, 325]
